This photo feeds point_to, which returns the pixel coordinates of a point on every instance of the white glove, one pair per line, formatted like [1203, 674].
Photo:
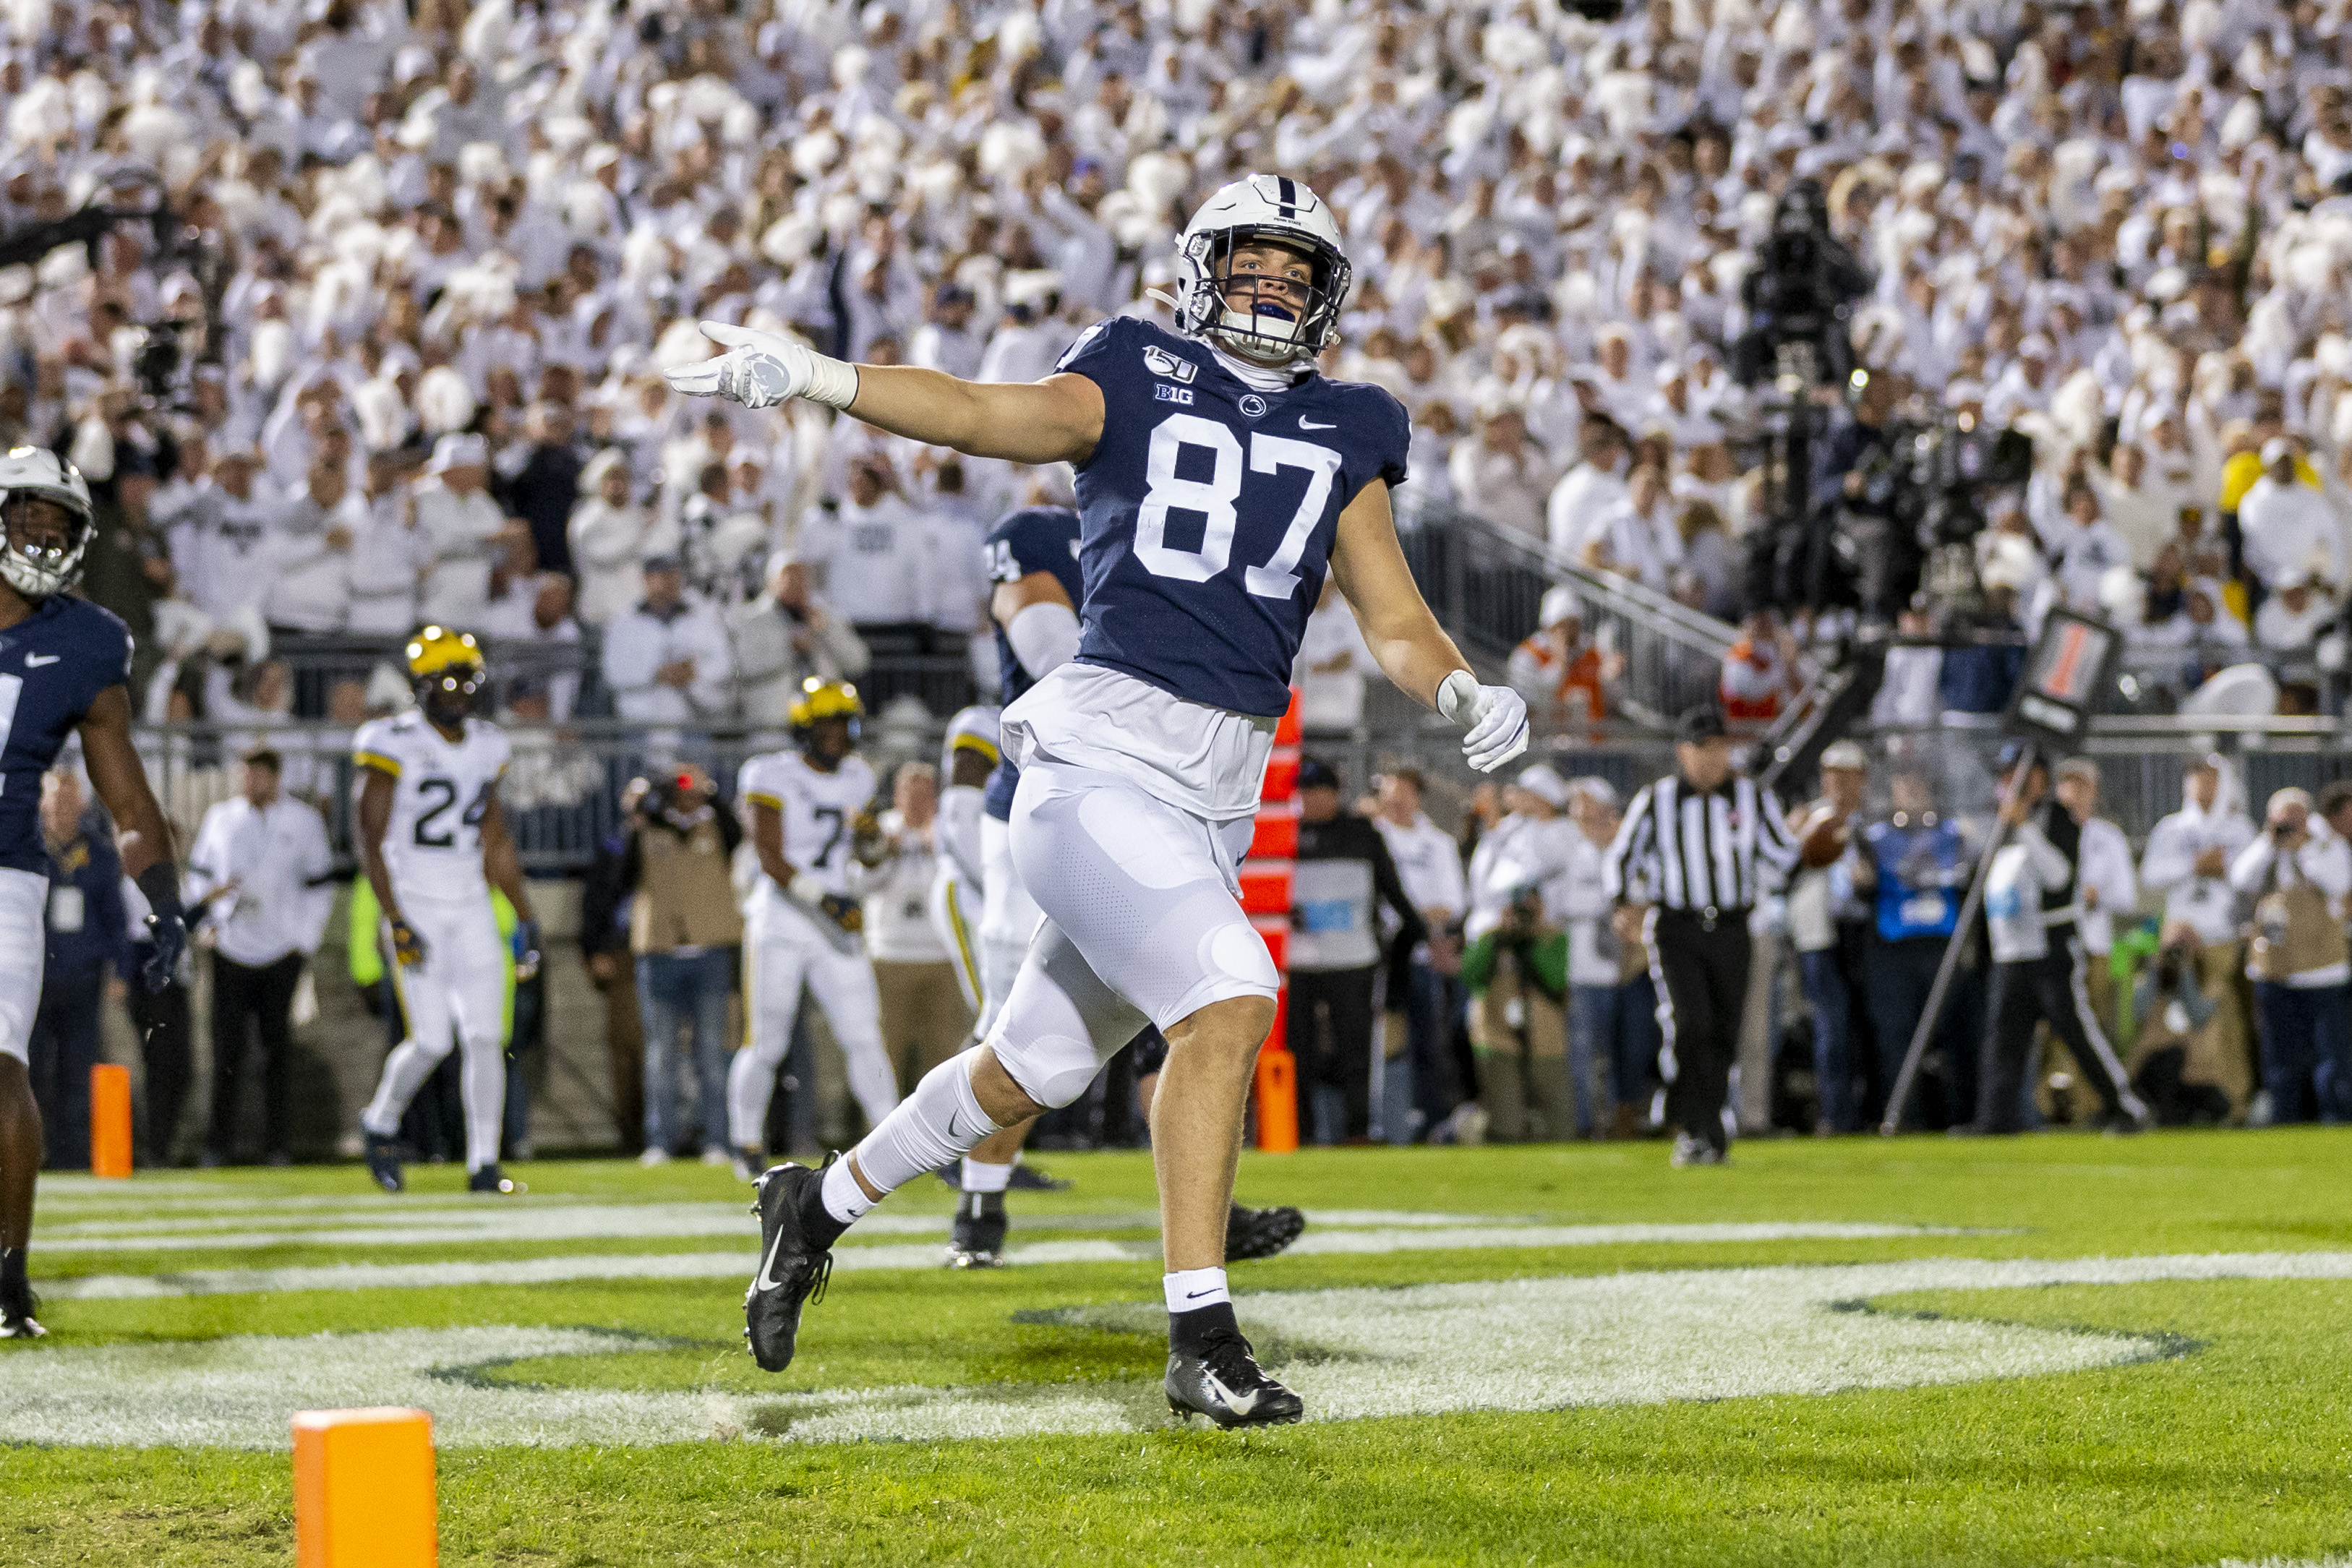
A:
[762, 370]
[1495, 717]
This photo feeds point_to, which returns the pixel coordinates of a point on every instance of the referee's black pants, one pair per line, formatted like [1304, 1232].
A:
[1701, 964]
[2049, 989]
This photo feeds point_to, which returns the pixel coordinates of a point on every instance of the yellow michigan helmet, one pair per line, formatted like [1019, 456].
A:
[820, 700]
[437, 648]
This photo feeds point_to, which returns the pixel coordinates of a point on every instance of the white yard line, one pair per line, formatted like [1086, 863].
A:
[1524, 1344]
[899, 1256]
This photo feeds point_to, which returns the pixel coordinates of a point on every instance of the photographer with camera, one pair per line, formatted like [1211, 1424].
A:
[1514, 964]
[685, 932]
[2298, 872]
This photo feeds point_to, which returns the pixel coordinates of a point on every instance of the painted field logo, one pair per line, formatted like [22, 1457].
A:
[1523, 1345]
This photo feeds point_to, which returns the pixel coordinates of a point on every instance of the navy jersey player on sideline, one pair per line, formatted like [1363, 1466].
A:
[1219, 477]
[64, 667]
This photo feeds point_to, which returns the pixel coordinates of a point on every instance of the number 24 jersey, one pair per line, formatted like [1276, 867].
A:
[1208, 509]
[819, 811]
[442, 790]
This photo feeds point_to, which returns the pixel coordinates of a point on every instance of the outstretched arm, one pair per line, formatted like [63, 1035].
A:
[1410, 647]
[1057, 420]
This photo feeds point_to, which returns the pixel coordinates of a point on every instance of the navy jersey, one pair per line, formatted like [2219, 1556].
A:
[53, 665]
[1208, 511]
[1034, 538]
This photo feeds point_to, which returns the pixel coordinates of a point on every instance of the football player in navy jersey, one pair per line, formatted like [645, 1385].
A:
[64, 668]
[1032, 563]
[1219, 478]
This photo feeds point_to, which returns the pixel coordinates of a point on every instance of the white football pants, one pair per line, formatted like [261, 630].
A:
[457, 997]
[784, 951]
[23, 954]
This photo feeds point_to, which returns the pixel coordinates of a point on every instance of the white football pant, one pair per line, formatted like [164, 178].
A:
[457, 996]
[782, 951]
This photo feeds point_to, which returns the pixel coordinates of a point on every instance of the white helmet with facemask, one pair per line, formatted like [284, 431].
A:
[1261, 209]
[33, 474]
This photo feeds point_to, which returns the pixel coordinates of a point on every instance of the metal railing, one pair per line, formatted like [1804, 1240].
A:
[1487, 583]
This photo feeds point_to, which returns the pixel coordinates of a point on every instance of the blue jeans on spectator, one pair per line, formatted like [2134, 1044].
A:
[2306, 1050]
[1831, 999]
[689, 989]
[1613, 1028]
[1430, 1005]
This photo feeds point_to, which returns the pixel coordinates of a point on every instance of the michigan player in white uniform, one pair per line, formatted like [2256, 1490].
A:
[813, 826]
[432, 839]
[64, 668]
[1219, 478]
[968, 756]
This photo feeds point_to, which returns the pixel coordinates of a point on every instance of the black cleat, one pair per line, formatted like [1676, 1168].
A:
[18, 1305]
[792, 1271]
[978, 1239]
[489, 1178]
[384, 1164]
[1260, 1232]
[1029, 1178]
[1225, 1383]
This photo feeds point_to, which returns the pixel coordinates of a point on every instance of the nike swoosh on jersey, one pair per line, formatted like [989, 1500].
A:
[766, 1279]
[35, 661]
[1307, 423]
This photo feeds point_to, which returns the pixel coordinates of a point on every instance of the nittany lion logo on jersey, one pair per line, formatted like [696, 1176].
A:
[1160, 363]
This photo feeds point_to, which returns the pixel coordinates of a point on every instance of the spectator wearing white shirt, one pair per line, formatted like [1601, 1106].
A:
[1499, 474]
[2106, 890]
[2297, 871]
[222, 536]
[924, 1019]
[1518, 1030]
[785, 636]
[665, 657]
[1670, 408]
[946, 341]
[610, 535]
[877, 555]
[388, 556]
[1332, 664]
[460, 525]
[2187, 864]
[2288, 525]
[1637, 538]
[2292, 618]
[1423, 1004]
[1581, 502]
[311, 554]
[262, 875]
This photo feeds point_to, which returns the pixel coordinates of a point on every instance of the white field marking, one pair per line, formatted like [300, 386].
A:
[1526, 1345]
[900, 1256]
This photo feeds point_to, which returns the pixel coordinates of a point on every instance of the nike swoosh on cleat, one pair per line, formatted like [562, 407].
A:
[1238, 1403]
[1307, 423]
[766, 1279]
[35, 661]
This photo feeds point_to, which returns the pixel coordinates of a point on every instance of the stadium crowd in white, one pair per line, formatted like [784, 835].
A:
[432, 263]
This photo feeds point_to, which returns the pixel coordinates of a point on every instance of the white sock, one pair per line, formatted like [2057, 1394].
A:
[482, 1078]
[939, 1122]
[1190, 1289]
[843, 1198]
[979, 1176]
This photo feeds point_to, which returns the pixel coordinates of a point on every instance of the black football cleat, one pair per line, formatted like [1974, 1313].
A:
[792, 1270]
[1260, 1232]
[18, 1306]
[1225, 1383]
[489, 1178]
[978, 1239]
[384, 1164]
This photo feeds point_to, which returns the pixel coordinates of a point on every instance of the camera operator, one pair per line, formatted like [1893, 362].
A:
[686, 931]
[2296, 869]
[1857, 481]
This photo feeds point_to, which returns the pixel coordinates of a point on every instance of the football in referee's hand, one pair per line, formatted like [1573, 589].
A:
[1823, 840]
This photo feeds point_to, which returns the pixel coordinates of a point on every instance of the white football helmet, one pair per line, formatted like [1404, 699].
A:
[1261, 208]
[31, 474]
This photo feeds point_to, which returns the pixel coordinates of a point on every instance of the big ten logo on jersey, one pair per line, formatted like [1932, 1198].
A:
[1167, 394]
[1178, 443]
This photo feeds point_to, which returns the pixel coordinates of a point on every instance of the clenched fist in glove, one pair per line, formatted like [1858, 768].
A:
[761, 369]
[1495, 717]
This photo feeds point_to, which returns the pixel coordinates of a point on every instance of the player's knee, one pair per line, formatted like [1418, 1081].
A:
[1235, 1026]
[1051, 1068]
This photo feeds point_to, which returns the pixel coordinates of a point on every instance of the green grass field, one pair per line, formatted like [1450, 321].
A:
[2061, 1349]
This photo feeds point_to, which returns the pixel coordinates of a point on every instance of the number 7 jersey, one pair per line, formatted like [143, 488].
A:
[442, 790]
[1207, 511]
[819, 811]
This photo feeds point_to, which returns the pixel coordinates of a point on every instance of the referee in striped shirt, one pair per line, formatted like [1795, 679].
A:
[1698, 848]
